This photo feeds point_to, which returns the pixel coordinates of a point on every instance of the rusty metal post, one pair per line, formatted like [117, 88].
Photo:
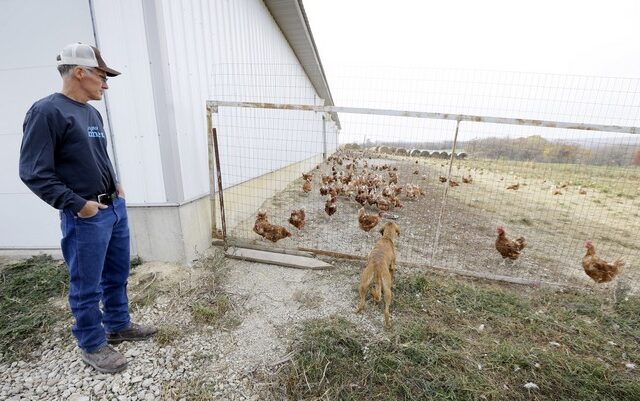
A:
[214, 134]
[212, 171]
[324, 138]
[446, 190]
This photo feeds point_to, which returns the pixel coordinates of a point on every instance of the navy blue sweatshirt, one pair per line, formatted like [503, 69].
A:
[63, 157]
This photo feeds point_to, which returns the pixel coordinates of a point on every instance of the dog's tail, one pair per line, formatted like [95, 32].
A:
[376, 292]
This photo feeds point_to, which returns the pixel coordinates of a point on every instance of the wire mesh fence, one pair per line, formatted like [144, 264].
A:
[447, 181]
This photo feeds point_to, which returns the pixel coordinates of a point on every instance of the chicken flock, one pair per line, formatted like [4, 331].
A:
[351, 179]
[376, 187]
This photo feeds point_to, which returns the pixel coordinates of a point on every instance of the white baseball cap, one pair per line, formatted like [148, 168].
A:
[84, 55]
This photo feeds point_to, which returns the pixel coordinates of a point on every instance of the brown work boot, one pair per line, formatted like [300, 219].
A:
[105, 360]
[135, 332]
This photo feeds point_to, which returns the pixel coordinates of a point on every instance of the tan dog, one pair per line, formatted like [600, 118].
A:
[381, 268]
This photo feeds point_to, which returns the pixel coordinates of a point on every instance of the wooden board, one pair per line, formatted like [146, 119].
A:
[280, 259]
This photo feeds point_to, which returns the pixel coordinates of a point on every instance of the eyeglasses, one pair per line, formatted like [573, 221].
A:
[103, 78]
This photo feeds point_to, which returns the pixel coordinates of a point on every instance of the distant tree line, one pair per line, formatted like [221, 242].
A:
[536, 148]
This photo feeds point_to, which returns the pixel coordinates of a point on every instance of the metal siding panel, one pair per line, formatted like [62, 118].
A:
[122, 38]
[25, 29]
[27, 221]
[242, 45]
[184, 60]
[196, 182]
[179, 75]
[17, 97]
[268, 71]
[10, 182]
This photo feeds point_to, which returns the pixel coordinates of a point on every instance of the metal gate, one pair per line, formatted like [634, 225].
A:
[448, 195]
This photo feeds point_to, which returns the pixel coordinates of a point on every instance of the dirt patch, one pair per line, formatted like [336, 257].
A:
[462, 234]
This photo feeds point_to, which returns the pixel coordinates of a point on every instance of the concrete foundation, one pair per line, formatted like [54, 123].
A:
[170, 232]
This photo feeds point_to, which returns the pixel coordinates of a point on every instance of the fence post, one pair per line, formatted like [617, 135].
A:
[324, 138]
[220, 191]
[212, 169]
[446, 190]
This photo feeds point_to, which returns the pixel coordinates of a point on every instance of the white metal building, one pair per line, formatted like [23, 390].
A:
[168, 53]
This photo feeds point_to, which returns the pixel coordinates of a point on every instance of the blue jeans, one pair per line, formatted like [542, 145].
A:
[96, 250]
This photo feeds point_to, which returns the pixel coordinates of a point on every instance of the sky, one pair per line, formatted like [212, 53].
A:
[564, 60]
[554, 36]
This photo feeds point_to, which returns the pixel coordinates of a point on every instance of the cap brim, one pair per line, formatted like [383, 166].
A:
[109, 71]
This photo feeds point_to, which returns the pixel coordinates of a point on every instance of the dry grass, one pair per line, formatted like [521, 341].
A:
[464, 340]
[26, 290]
[199, 389]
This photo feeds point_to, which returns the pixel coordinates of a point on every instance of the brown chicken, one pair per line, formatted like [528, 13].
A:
[412, 191]
[306, 187]
[515, 186]
[331, 205]
[275, 233]
[368, 221]
[467, 179]
[297, 219]
[272, 232]
[361, 198]
[383, 204]
[442, 178]
[261, 223]
[395, 201]
[307, 176]
[596, 268]
[509, 249]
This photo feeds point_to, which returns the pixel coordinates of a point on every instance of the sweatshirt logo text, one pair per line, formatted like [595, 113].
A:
[94, 132]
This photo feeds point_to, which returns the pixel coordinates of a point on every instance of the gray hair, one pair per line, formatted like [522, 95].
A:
[65, 69]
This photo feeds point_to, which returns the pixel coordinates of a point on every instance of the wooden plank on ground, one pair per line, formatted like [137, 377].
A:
[280, 259]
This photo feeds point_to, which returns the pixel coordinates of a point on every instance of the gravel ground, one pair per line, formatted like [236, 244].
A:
[222, 362]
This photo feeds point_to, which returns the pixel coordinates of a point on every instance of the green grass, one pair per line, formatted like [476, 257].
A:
[136, 261]
[166, 335]
[27, 314]
[211, 311]
[437, 348]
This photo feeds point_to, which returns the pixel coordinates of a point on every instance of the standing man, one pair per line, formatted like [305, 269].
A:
[64, 161]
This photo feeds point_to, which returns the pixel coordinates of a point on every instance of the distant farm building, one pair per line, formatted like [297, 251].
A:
[438, 154]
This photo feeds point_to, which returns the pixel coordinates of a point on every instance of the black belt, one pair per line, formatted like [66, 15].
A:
[105, 199]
